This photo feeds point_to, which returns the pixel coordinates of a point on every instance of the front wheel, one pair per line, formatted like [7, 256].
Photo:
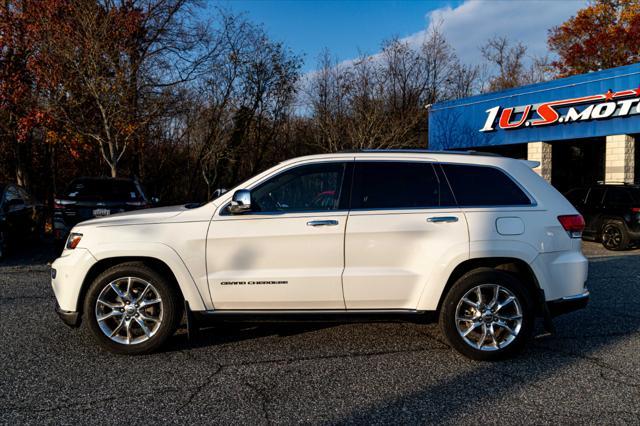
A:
[131, 309]
[487, 315]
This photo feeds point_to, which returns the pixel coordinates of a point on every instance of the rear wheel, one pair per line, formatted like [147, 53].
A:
[131, 309]
[615, 236]
[487, 315]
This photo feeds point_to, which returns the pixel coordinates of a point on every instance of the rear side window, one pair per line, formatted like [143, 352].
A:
[618, 197]
[394, 185]
[475, 186]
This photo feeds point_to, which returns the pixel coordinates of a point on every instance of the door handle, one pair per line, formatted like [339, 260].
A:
[442, 219]
[322, 223]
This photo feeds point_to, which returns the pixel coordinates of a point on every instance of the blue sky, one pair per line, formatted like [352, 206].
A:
[349, 27]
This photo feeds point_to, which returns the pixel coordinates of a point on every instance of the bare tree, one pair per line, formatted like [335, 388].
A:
[510, 61]
[379, 101]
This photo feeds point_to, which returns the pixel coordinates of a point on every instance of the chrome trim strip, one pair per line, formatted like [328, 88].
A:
[582, 295]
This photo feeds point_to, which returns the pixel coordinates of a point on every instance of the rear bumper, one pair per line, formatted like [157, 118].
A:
[568, 304]
[71, 318]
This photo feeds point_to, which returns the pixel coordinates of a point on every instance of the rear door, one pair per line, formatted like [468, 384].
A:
[402, 223]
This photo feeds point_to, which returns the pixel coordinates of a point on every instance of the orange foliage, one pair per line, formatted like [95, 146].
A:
[605, 34]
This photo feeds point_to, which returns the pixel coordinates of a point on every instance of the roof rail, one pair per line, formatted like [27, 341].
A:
[417, 151]
[601, 182]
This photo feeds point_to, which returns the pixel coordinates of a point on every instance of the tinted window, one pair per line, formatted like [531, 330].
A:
[595, 196]
[576, 196]
[315, 187]
[104, 190]
[381, 185]
[618, 197]
[483, 186]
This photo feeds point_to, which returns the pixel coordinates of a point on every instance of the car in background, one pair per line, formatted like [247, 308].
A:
[611, 213]
[21, 216]
[90, 197]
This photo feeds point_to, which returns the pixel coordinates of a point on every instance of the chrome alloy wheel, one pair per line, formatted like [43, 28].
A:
[489, 317]
[129, 310]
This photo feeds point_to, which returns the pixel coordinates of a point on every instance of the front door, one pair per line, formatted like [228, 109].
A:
[402, 225]
[287, 253]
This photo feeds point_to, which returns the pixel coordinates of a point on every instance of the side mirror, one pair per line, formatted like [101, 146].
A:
[241, 201]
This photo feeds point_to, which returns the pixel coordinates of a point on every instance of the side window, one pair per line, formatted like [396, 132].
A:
[617, 197]
[475, 186]
[314, 187]
[577, 196]
[594, 199]
[386, 185]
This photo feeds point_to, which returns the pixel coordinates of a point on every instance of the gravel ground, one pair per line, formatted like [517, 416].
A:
[589, 372]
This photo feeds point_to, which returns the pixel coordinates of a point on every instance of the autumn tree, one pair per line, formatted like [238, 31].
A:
[605, 34]
[21, 80]
[118, 59]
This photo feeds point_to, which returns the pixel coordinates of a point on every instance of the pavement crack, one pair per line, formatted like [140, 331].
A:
[264, 400]
[334, 356]
[200, 388]
[80, 405]
[599, 363]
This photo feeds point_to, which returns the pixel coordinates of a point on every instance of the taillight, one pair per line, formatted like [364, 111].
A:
[573, 224]
[635, 209]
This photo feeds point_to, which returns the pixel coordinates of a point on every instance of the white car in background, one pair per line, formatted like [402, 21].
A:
[482, 241]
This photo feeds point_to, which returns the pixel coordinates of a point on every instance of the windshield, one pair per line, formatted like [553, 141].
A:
[104, 190]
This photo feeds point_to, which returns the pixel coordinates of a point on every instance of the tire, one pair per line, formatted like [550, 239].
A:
[140, 313]
[511, 334]
[614, 235]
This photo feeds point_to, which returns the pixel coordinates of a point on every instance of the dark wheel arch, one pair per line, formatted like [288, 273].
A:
[515, 266]
[105, 264]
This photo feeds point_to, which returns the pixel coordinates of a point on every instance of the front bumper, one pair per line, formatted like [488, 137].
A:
[568, 304]
[67, 277]
[71, 318]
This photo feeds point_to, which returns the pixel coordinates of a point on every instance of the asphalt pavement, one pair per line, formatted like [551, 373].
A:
[589, 372]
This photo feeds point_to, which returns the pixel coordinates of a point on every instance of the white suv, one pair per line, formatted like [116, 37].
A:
[481, 240]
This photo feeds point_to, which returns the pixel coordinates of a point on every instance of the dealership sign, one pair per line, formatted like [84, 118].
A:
[602, 106]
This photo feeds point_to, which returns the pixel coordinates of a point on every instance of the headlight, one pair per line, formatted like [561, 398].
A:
[73, 240]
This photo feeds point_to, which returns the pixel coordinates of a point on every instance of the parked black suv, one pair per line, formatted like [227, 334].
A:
[89, 197]
[21, 216]
[611, 213]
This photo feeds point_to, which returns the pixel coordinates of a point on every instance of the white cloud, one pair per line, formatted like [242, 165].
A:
[470, 25]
